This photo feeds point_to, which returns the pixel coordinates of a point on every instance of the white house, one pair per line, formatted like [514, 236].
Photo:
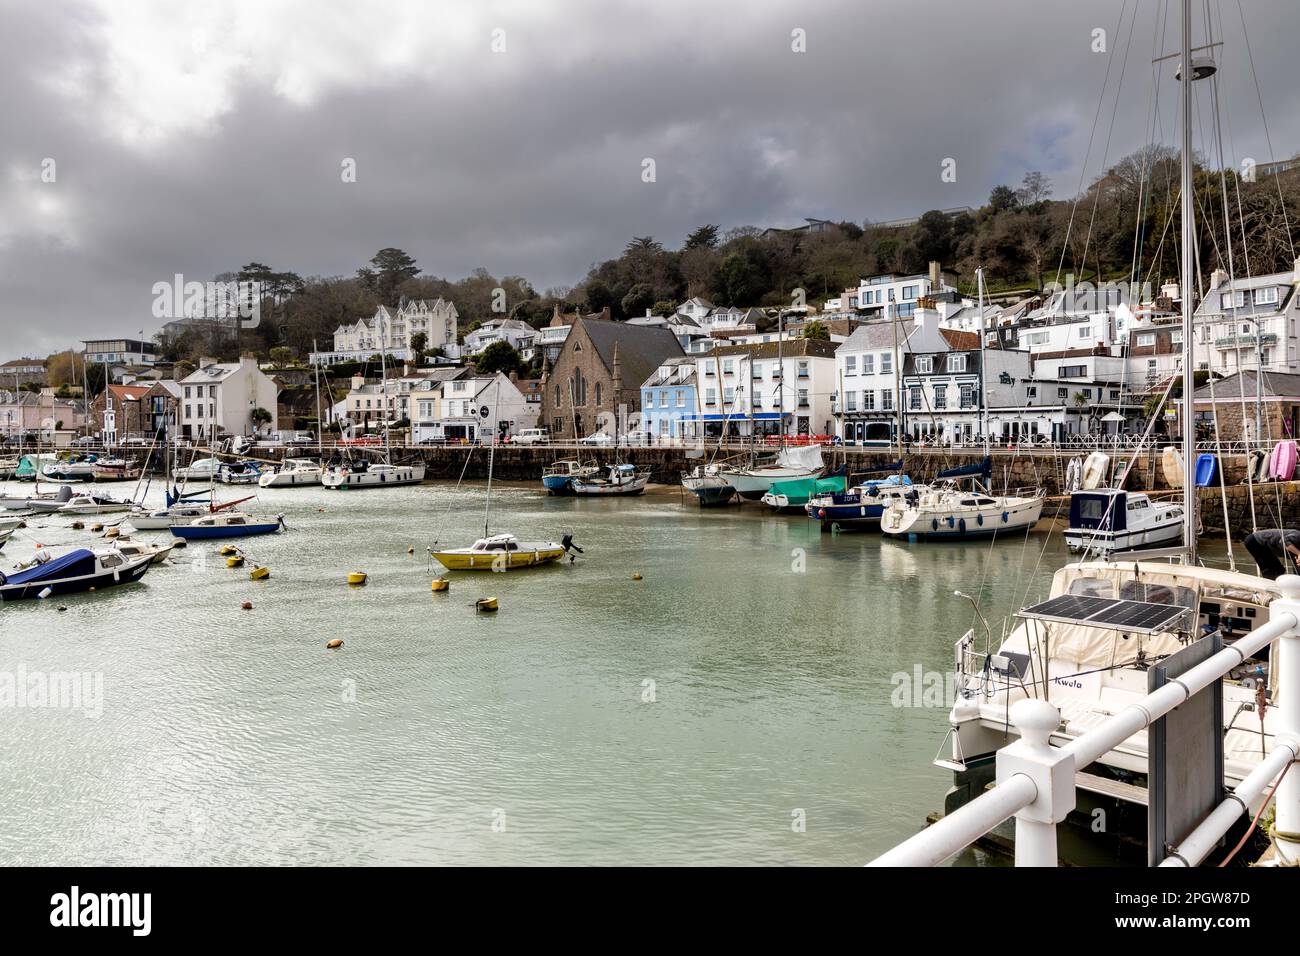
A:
[219, 398]
[464, 409]
[747, 389]
[390, 332]
[1247, 323]
[519, 334]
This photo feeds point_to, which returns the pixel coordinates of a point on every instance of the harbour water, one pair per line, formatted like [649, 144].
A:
[738, 705]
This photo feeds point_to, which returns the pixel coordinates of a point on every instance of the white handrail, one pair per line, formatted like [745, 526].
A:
[1051, 794]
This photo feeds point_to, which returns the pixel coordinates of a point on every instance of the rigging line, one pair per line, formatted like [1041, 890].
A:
[1148, 155]
[1083, 170]
[1110, 132]
[1268, 138]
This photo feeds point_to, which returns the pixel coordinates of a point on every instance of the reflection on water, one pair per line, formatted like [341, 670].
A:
[690, 717]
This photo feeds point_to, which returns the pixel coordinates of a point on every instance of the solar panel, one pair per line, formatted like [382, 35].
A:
[1138, 616]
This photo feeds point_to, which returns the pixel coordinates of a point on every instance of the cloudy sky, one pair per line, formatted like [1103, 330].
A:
[193, 137]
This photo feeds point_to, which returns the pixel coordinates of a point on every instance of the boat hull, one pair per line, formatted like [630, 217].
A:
[1109, 542]
[127, 574]
[939, 524]
[461, 560]
[602, 488]
[349, 480]
[206, 533]
[754, 484]
[291, 479]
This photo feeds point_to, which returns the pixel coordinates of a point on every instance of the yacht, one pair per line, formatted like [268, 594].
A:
[707, 484]
[861, 506]
[203, 469]
[365, 474]
[950, 511]
[501, 552]
[227, 524]
[76, 468]
[621, 480]
[293, 471]
[754, 480]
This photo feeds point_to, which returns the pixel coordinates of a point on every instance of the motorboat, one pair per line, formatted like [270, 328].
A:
[227, 524]
[162, 519]
[75, 571]
[558, 476]
[11, 523]
[948, 510]
[708, 485]
[621, 480]
[239, 473]
[343, 476]
[293, 471]
[1109, 520]
[30, 466]
[87, 504]
[203, 469]
[501, 552]
[862, 505]
[753, 480]
[42, 503]
[5, 534]
[157, 553]
[115, 469]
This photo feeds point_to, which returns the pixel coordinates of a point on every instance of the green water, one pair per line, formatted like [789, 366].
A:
[691, 717]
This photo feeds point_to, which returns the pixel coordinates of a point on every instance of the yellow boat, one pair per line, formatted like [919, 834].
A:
[500, 552]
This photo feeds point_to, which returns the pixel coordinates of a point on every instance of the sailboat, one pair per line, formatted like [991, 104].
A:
[1088, 647]
[501, 552]
[344, 473]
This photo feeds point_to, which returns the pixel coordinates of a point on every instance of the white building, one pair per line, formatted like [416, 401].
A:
[1245, 324]
[391, 332]
[219, 398]
[464, 409]
[519, 334]
[744, 387]
[889, 295]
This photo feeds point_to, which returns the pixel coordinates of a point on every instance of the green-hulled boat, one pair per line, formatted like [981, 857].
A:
[789, 497]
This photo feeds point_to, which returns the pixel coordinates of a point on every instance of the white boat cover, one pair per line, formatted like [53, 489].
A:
[807, 457]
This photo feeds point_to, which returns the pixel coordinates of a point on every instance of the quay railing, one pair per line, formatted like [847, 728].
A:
[1035, 781]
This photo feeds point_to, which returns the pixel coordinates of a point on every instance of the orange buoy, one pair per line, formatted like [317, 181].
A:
[335, 644]
[247, 605]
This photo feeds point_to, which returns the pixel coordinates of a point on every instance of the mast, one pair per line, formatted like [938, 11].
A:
[898, 379]
[383, 386]
[780, 368]
[320, 438]
[983, 386]
[492, 448]
[1189, 423]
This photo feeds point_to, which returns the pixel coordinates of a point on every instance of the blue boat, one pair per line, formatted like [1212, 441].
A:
[1206, 469]
[558, 477]
[227, 524]
[73, 572]
[861, 506]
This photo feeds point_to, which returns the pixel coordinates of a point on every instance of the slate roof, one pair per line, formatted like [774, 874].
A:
[641, 348]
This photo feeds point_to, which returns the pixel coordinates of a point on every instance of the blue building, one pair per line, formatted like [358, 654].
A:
[668, 401]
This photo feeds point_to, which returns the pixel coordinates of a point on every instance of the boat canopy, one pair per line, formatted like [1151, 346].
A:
[984, 469]
[1099, 510]
[801, 489]
[806, 456]
[73, 564]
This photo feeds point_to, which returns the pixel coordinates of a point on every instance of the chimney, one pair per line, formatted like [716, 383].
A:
[206, 360]
[648, 315]
[358, 381]
[925, 319]
[1297, 270]
[1218, 277]
[935, 278]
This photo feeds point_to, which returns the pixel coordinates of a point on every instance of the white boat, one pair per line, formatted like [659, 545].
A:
[365, 474]
[87, 504]
[115, 469]
[622, 480]
[1094, 470]
[160, 519]
[752, 481]
[4, 535]
[203, 469]
[157, 553]
[239, 473]
[42, 502]
[1108, 520]
[294, 471]
[557, 476]
[949, 511]
[75, 468]
[9, 523]
[708, 485]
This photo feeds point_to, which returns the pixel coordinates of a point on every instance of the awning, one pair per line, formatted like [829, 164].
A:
[757, 416]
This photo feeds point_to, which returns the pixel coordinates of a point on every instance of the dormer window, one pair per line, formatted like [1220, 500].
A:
[924, 364]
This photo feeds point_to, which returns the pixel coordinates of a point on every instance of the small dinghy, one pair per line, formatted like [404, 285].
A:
[1281, 462]
[622, 480]
[1171, 466]
[1094, 470]
[1207, 467]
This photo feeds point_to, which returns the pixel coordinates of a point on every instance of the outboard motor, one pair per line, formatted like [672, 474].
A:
[569, 547]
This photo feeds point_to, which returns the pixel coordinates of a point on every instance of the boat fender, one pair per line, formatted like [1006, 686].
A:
[962, 525]
[934, 524]
[951, 521]
[1005, 515]
[979, 519]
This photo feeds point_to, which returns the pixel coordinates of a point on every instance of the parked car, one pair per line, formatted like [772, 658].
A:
[533, 436]
[638, 438]
[599, 438]
[85, 441]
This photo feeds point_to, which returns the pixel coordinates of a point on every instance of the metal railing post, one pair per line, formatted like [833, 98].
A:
[1052, 771]
[1286, 658]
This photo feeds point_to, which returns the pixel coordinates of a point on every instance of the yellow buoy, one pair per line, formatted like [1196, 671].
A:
[636, 575]
[97, 527]
[112, 533]
[411, 550]
[485, 604]
[229, 549]
[235, 561]
[356, 577]
[439, 584]
[337, 642]
[260, 573]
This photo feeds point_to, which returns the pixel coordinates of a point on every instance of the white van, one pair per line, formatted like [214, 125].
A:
[532, 436]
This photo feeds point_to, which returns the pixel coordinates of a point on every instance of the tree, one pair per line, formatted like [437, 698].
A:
[259, 416]
[934, 237]
[1003, 197]
[741, 282]
[1034, 189]
[419, 341]
[639, 298]
[498, 357]
[817, 331]
[705, 237]
[644, 243]
[388, 269]
[281, 356]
